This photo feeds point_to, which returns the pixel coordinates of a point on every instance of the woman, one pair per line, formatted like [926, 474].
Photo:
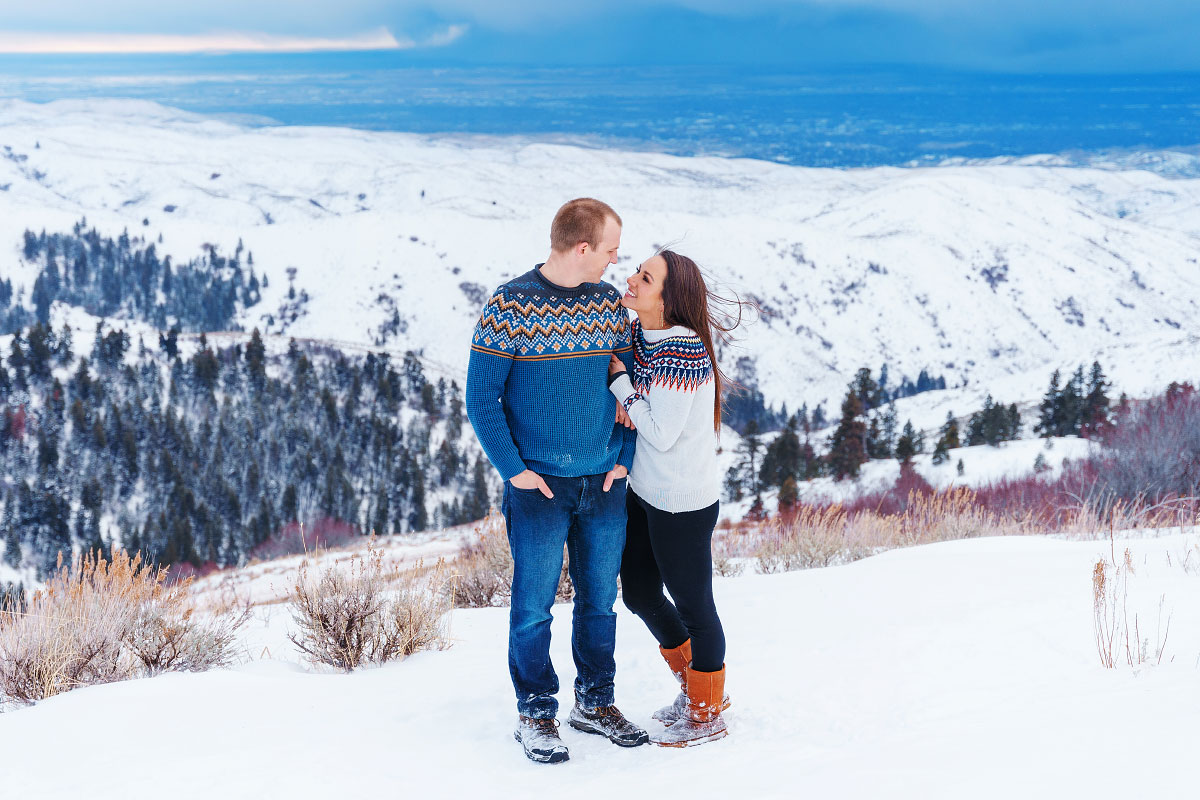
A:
[673, 398]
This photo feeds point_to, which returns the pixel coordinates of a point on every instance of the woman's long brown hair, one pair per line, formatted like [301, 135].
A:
[688, 301]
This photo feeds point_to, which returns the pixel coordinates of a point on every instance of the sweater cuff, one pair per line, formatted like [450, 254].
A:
[613, 377]
[621, 386]
[511, 469]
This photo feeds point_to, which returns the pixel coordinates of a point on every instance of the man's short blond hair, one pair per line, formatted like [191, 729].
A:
[580, 220]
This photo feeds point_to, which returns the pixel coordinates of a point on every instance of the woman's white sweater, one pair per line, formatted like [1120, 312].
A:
[670, 397]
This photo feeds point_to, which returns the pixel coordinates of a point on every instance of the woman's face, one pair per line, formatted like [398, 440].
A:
[645, 287]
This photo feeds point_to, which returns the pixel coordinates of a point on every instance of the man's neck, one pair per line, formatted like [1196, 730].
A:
[560, 272]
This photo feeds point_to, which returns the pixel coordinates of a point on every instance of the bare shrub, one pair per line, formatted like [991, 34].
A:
[101, 620]
[1154, 449]
[368, 611]
[169, 635]
[726, 557]
[414, 619]
[483, 570]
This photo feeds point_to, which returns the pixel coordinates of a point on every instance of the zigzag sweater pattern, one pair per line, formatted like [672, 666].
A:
[670, 398]
[536, 378]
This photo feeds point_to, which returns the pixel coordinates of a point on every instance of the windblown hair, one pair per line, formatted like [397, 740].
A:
[688, 301]
[580, 220]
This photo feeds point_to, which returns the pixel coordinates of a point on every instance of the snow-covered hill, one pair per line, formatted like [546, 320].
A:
[988, 275]
[961, 669]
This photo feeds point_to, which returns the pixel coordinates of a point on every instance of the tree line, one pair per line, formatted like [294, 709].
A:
[867, 430]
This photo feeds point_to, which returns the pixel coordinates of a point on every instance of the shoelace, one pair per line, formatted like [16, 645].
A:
[549, 726]
[607, 711]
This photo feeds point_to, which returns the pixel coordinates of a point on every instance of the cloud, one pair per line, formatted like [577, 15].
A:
[224, 42]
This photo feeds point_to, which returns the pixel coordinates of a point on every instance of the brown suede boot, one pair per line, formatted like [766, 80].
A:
[702, 720]
[677, 659]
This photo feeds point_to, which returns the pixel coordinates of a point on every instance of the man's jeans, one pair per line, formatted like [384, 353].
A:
[592, 523]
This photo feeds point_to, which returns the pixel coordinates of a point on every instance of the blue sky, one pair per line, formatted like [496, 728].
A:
[1003, 35]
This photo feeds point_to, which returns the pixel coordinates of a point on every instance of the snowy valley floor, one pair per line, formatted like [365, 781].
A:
[964, 669]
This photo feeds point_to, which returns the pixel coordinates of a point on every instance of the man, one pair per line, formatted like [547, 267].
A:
[537, 396]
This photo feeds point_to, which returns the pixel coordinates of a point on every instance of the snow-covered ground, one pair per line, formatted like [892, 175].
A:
[965, 669]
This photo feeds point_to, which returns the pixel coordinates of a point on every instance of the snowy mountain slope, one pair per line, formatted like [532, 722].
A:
[988, 275]
[962, 669]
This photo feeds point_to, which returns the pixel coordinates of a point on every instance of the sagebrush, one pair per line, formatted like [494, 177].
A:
[482, 572]
[369, 611]
[99, 620]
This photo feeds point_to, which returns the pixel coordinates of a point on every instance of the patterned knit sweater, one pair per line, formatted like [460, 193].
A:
[536, 379]
[670, 398]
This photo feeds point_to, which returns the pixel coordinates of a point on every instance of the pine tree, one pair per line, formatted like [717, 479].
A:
[477, 502]
[906, 446]
[418, 517]
[380, 520]
[289, 506]
[454, 420]
[783, 457]
[1096, 403]
[749, 449]
[170, 342]
[1013, 429]
[1071, 408]
[789, 496]
[941, 453]
[867, 390]
[947, 440]
[256, 359]
[848, 446]
[447, 462]
[1050, 409]
[12, 538]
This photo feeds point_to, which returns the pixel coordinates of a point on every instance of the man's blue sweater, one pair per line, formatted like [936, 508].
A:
[537, 381]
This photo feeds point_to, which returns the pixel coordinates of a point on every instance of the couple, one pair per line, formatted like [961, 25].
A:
[554, 360]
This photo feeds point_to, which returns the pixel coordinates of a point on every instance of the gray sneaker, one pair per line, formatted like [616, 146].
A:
[540, 739]
[607, 721]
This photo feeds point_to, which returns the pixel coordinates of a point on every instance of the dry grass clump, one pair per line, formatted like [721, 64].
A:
[369, 611]
[812, 537]
[1093, 514]
[1118, 639]
[822, 536]
[483, 571]
[98, 621]
[953, 514]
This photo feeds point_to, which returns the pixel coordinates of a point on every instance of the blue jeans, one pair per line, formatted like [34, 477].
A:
[592, 524]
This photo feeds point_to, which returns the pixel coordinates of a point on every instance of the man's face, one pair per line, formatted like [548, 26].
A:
[605, 253]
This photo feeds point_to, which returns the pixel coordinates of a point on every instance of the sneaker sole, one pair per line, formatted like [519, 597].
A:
[583, 726]
[702, 740]
[556, 757]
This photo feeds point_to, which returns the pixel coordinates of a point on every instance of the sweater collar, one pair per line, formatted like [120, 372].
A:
[554, 288]
[653, 337]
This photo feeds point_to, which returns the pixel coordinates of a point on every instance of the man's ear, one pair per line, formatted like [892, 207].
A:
[582, 248]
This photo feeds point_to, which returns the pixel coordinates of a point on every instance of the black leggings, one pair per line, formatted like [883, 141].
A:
[661, 547]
